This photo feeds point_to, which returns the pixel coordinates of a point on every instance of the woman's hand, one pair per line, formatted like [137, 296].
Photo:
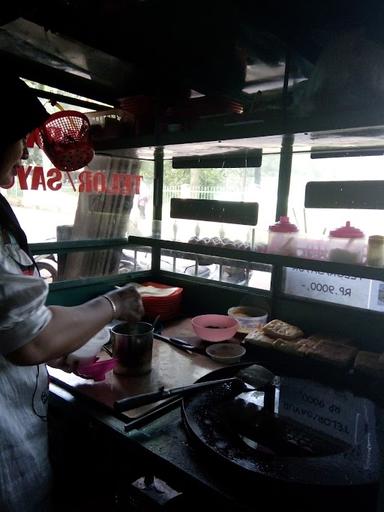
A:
[71, 327]
[127, 300]
[62, 363]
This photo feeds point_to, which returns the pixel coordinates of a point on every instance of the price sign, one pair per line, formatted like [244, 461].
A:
[348, 290]
[377, 296]
[336, 413]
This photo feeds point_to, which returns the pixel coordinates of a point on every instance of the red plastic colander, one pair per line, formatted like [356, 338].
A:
[65, 139]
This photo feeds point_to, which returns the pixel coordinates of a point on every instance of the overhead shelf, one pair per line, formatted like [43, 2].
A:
[318, 133]
[258, 257]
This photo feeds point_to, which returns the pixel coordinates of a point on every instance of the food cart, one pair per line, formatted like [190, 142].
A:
[287, 220]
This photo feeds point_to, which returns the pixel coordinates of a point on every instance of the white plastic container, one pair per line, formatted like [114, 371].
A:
[249, 318]
[312, 248]
[346, 244]
[88, 352]
[282, 238]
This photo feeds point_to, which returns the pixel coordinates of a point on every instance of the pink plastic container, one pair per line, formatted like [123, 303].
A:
[282, 238]
[215, 327]
[346, 244]
[97, 370]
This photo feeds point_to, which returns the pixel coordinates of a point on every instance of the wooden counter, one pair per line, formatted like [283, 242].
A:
[171, 367]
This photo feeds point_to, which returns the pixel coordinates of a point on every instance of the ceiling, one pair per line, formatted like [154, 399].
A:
[106, 49]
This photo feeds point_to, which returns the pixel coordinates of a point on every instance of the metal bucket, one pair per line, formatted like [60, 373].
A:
[132, 347]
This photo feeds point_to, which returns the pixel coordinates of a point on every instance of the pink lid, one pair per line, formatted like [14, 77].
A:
[283, 226]
[347, 231]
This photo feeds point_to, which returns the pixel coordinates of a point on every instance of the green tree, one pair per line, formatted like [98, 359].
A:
[175, 177]
[202, 177]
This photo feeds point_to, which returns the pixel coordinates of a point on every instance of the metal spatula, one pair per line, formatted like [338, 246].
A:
[154, 396]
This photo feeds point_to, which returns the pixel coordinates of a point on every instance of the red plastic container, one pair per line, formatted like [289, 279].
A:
[167, 307]
[142, 108]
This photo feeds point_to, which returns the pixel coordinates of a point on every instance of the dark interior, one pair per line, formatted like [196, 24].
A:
[167, 48]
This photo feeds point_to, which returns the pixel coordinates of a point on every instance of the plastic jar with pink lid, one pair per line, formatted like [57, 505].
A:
[282, 238]
[346, 244]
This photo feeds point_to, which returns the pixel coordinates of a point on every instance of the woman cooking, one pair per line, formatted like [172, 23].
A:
[32, 334]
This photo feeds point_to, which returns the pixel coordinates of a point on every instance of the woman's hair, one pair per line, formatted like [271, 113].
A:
[20, 111]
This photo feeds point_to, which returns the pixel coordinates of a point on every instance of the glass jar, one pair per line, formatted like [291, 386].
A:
[375, 252]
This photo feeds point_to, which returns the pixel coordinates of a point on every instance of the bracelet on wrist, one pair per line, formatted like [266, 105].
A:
[113, 306]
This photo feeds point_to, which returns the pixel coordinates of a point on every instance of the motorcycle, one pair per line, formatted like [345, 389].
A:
[47, 266]
[134, 261]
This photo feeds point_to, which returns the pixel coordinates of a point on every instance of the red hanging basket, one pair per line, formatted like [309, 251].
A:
[65, 139]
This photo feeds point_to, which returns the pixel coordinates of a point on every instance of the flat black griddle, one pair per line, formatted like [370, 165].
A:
[277, 450]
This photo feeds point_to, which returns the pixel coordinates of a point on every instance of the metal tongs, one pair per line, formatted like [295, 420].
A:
[154, 396]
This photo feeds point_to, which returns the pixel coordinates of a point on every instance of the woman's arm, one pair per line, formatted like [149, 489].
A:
[71, 327]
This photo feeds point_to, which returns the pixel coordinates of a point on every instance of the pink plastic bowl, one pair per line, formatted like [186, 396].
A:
[215, 327]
